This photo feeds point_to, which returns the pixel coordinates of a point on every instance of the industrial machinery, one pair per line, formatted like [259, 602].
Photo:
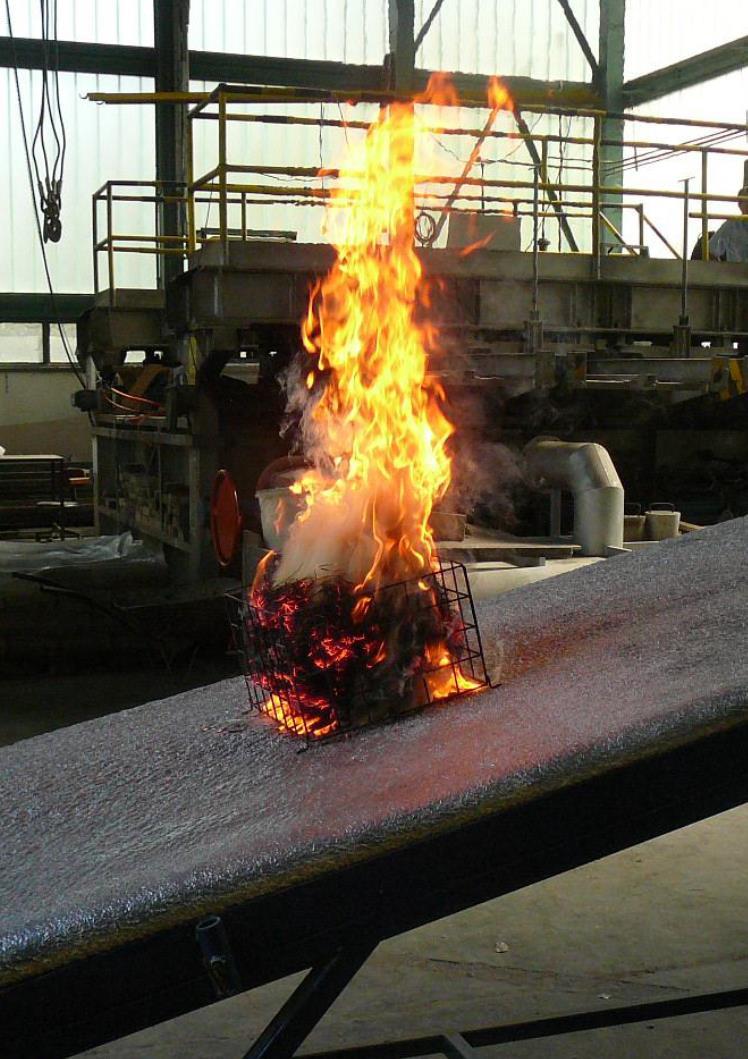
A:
[606, 343]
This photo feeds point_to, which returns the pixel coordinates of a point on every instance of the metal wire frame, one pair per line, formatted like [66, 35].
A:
[350, 695]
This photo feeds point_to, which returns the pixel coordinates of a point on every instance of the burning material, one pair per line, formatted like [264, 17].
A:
[323, 657]
[355, 615]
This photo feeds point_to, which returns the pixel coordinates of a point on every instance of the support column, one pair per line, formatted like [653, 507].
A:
[170, 23]
[609, 85]
[402, 57]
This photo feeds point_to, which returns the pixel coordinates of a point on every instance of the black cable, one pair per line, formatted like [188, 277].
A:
[50, 187]
[63, 130]
[29, 170]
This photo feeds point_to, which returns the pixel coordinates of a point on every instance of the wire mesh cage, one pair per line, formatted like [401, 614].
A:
[322, 657]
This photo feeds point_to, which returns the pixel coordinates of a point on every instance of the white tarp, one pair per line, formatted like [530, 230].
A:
[27, 556]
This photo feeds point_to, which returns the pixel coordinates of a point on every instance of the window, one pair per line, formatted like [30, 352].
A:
[35, 343]
[57, 354]
[21, 343]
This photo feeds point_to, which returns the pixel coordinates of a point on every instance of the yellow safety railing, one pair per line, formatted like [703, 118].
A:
[593, 197]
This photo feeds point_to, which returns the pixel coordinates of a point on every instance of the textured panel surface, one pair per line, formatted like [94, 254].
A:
[119, 827]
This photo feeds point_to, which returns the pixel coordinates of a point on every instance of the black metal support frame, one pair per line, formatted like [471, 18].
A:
[310, 1001]
[171, 20]
[465, 1044]
[88, 1001]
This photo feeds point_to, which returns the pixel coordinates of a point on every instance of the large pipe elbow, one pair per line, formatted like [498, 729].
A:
[585, 469]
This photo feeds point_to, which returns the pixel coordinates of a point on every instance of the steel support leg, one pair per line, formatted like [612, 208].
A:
[456, 1047]
[308, 1004]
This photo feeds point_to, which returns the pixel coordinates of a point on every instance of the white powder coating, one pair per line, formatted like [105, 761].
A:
[123, 825]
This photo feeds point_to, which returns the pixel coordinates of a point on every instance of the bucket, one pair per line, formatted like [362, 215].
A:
[278, 509]
[448, 525]
[663, 522]
[633, 523]
[278, 505]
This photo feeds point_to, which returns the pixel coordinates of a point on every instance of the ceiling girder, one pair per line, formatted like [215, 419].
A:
[217, 67]
[685, 74]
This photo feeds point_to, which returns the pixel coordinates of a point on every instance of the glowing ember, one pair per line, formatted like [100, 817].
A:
[375, 433]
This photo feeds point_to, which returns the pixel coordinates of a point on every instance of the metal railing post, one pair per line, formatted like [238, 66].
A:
[109, 246]
[157, 213]
[704, 207]
[535, 247]
[189, 190]
[596, 198]
[223, 218]
[95, 230]
[684, 262]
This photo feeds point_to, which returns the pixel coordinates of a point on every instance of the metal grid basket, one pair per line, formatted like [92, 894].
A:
[318, 671]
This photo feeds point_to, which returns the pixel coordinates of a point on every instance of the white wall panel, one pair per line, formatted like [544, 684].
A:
[104, 142]
[662, 32]
[526, 37]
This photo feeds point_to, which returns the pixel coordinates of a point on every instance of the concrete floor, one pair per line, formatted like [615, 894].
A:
[665, 919]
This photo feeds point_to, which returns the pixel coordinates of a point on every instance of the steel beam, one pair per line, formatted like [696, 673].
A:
[550, 191]
[578, 32]
[78, 57]
[427, 24]
[309, 1003]
[24, 308]
[685, 74]
[221, 67]
[170, 25]
[609, 83]
[402, 57]
[525, 91]
[539, 1029]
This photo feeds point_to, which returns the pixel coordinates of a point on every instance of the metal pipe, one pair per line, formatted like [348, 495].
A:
[435, 178]
[272, 94]
[439, 130]
[741, 218]
[473, 158]
[95, 231]
[223, 219]
[110, 250]
[190, 191]
[704, 214]
[218, 959]
[596, 200]
[684, 263]
[659, 234]
[612, 228]
[535, 247]
[586, 470]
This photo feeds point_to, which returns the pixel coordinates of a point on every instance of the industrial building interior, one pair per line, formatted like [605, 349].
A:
[373, 528]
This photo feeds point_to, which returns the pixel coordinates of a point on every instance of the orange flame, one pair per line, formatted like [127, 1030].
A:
[379, 427]
[377, 433]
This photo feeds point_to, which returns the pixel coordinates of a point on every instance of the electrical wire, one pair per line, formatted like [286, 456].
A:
[493, 161]
[135, 397]
[659, 154]
[42, 246]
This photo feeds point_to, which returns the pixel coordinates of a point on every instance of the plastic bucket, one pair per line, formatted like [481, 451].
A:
[278, 510]
[663, 523]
